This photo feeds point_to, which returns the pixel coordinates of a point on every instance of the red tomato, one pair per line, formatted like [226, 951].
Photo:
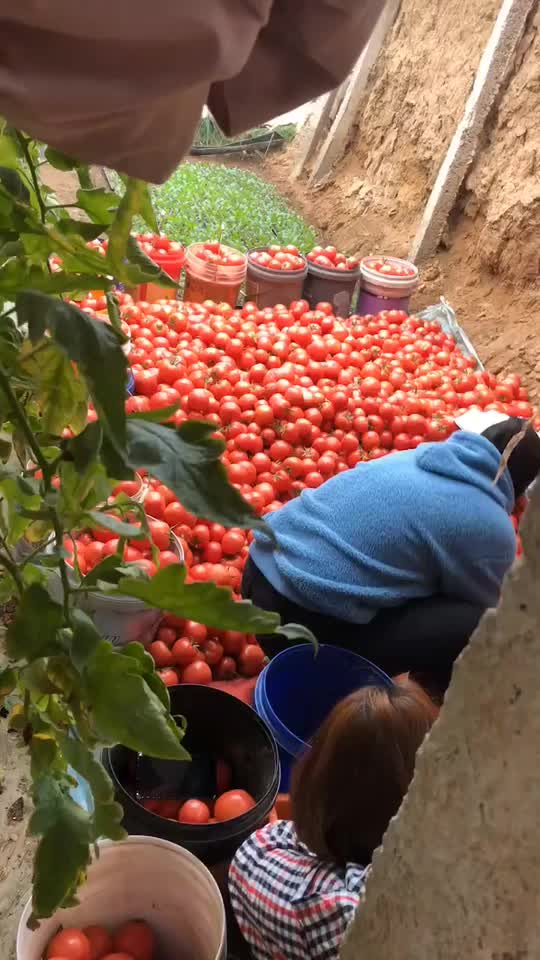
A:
[70, 943]
[213, 652]
[183, 652]
[233, 642]
[166, 635]
[161, 653]
[233, 803]
[154, 504]
[137, 939]
[94, 553]
[100, 941]
[197, 672]
[251, 660]
[196, 632]
[169, 677]
[193, 811]
[233, 541]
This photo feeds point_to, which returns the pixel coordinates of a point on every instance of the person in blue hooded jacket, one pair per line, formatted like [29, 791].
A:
[398, 558]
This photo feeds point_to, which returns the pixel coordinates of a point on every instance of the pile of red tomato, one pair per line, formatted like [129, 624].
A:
[330, 259]
[225, 805]
[213, 252]
[389, 268]
[298, 396]
[155, 245]
[278, 258]
[134, 940]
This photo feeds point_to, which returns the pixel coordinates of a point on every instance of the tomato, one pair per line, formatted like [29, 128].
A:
[233, 541]
[160, 534]
[166, 635]
[193, 811]
[130, 488]
[94, 553]
[183, 652]
[233, 642]
[196, 632]
[100, 941]
[154, 504]
[213, 652]
[225, 670]
[233, 803]
[197, 672]
[251, 660]
[175, 514]
[137, 939]
[169, 677]
[70, 943]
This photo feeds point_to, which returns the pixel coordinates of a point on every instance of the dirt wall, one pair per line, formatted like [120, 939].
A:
[417, 91]
[502, 191]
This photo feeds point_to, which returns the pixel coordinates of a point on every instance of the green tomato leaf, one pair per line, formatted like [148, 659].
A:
[60, 392]
[204, 602]
[16, 495]
[85, 638]
[89, 231]
[34, 631]
[119, 527]
[147, 668]
[129, 206]
[8, 681]
[156, 416]
[296, 631]
[20, 274]
[8, 153]
[93, 345]
[187, 461]
[63, 854]
[141, 269]
[84, 448]
[81, 758]
[100, 205]
[126, 710]
[108, 820]
[106, 571]
[58, 160]
[147, 210]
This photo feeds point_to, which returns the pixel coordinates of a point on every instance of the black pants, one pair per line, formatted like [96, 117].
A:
[422, 637]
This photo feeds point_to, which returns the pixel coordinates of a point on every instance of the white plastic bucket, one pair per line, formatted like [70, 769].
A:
[119, 619]
[147, 879]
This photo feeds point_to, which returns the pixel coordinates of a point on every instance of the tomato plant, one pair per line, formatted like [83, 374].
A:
[73, 454]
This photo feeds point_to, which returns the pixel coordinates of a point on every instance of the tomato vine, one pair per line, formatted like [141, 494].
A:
[68, 690]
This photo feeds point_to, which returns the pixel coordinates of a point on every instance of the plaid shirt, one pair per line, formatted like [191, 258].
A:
[288, 903]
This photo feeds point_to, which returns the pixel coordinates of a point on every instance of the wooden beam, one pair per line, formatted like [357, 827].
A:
[336, 140]
[492, 71]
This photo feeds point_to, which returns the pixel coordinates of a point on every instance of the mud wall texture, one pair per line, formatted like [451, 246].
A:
[458, 874]
[502, 191]
[416, 94]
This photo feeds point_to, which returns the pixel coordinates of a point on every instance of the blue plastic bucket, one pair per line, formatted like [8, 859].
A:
[297, 690]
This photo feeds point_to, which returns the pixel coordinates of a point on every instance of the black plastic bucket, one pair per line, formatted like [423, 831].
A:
[219, 726]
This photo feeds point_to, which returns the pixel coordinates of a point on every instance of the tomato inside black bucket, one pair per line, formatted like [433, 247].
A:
[230, 746]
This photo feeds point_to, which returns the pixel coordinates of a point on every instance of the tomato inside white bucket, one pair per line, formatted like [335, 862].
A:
[148, 879]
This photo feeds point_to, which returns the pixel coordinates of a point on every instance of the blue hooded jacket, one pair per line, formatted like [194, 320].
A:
[423, 522]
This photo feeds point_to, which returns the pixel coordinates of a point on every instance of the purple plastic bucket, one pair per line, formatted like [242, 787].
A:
[368, 303]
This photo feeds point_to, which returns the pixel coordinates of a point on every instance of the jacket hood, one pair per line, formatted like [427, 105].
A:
[472, 459]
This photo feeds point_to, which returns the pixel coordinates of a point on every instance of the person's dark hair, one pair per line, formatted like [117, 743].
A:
[348, 786]
[524, 462]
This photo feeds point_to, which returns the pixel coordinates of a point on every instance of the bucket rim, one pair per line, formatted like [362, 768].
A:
[143, 840]
[284, 737]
